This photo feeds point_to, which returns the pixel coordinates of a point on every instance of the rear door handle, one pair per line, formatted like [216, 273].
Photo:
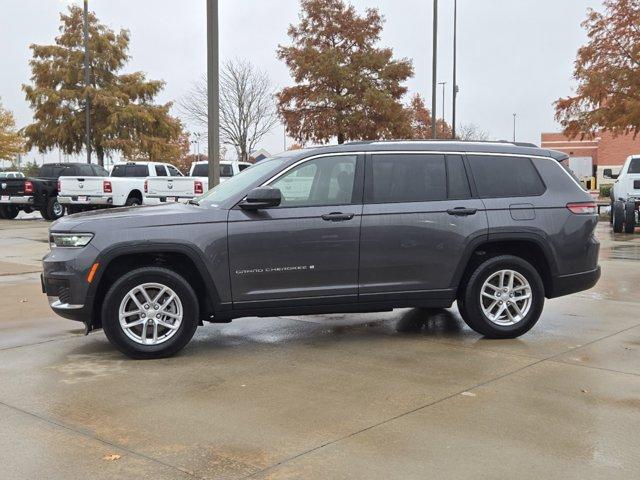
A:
[462, 211]
[337, 216]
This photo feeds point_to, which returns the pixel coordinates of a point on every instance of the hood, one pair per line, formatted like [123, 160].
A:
[139, 217]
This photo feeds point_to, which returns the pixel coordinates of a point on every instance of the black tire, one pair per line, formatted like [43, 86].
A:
[53, 210]
[114, 297]
[618, 216]
[611, 214]
[630, 217]
[133, 201]
[474, 315]
[9, 212]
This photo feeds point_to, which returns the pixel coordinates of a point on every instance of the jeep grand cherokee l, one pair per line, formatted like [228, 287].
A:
[368, 226]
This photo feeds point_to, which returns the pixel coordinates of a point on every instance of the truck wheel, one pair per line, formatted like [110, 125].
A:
[133, 201]
[151, 312]
[630, 217]
[53, 210]
[9, 212]
[611, 214]
[618, 216]
[503, 297]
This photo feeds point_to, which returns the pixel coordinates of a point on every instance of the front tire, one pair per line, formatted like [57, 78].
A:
[151, 312]
[503, 297]
[630, 217]
[618, 216]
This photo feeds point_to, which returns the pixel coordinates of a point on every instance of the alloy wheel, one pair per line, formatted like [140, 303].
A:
[506, 297]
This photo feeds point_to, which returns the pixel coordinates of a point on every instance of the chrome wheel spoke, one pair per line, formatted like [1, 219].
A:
[498, 299]
[167, 325]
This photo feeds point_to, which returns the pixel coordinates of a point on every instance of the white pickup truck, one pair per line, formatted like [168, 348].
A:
[625, 195]
[124, 186]
[186, 188]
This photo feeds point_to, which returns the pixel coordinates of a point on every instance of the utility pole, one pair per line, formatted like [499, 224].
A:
[434, 69]
[444, 84]
[514, 126]
[213, 92]
[87, 81]
[455, 59]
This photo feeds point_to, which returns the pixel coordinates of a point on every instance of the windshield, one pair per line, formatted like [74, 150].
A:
[239, 183]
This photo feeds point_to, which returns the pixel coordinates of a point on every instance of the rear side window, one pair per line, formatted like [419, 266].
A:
[457, 178]
[98, 171]
[130, 171]
[173, 171]
[634, 166]
[226, 170]
[403, 178]
[200, 170]
[241, 167]
[161, 171]
[503, 176]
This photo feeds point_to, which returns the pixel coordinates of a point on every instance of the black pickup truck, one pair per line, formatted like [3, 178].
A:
[41, 192]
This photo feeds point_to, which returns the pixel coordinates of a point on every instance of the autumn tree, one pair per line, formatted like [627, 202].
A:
[124, 117]
[247, 106]
[607, 70]
[345, 85]
[420, 121]
[11, 141]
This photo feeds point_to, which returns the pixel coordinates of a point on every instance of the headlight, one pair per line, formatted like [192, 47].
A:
[70, 240]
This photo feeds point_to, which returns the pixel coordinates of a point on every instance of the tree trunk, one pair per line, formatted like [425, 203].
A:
[100, 155]
[341, 138]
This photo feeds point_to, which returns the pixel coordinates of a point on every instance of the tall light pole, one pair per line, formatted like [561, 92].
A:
[444, 84]
[434, 69]
[514, 126]
[213, 92]
[87, 81]
[455, 59]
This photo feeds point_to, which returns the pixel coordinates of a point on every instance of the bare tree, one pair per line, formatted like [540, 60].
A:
[247, 107]
[471, 131]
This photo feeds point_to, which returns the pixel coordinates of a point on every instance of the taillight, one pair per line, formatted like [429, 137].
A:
[146, 186]
[198, 188]
[28, 187]
[59, 185]
[586, 208]
[106, 186]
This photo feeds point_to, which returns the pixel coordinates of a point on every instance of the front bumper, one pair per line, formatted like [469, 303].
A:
[85, 200]
[577, 282]
[17, 200]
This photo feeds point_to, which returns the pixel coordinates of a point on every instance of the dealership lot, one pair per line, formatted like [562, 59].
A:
[403, 394]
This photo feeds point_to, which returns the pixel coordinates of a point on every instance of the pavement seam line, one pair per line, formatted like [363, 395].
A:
[593, 367]
[98, 439]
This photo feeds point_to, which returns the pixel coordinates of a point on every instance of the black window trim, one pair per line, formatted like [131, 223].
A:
[525, 157]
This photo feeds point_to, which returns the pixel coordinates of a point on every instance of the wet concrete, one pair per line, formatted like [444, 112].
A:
[403, 394]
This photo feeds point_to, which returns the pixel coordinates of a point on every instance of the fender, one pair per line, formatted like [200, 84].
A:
[195, 255]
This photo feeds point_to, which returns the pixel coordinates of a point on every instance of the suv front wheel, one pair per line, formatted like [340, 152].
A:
[503, 297]
[150, 312]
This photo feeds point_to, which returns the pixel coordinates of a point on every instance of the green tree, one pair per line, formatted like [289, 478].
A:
[123, 115]
[11, 141]
[30, 168]
[346, 86]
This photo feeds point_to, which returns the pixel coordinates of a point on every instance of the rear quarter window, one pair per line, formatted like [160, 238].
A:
[505, 176]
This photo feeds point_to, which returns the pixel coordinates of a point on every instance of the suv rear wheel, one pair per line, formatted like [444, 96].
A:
[150, 312]
[503, 297]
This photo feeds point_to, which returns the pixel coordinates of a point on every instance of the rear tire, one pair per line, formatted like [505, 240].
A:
[133, 201]
[9, 212]
[618, 216]
[493, 312]
[166, 341]
[630, 217]
[53, 210]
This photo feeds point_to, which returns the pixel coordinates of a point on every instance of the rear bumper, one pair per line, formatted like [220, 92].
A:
[577, 282]
[19, 200]
[75, 200]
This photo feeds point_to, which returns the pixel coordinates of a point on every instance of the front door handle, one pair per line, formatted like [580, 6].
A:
[462, 211]
[337, 216]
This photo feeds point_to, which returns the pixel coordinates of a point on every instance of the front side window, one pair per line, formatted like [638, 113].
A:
[400, 178]
[321, 181]
[173, 171]
[504, 176]
[161, 171]
[634, 165]
[226, 170]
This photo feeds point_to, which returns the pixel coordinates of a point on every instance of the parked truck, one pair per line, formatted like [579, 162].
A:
[123, 187]
[625, 195]
[41, 192]
[186, 188]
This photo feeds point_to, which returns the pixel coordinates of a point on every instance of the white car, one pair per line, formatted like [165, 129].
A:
[11, 175]
[186, 188]
[123, 187]
[625, 195]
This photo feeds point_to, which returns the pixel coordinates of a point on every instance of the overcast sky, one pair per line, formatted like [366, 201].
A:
[513, 55]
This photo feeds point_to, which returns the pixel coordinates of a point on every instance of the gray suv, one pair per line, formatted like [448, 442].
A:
[370, 226]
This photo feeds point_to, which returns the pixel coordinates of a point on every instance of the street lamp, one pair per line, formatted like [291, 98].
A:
[444, 84]
[514, 126]
[434, 69]
[213, 92]
[87, 81]
[455, 57]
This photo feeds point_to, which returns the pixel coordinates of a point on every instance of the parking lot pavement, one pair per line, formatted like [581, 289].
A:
[404, 394]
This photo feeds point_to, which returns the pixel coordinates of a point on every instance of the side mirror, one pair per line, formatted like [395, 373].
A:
[608, 174]
[262, 197]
